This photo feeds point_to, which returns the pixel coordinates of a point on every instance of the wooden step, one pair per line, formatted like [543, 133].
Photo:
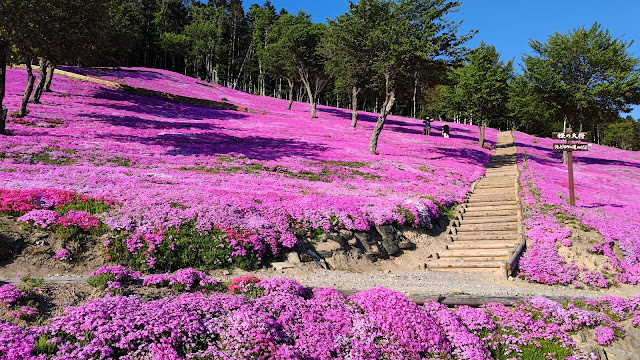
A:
[495, 244]
[482, 228]
[499, 173]
[494, 203]
[494, 213]
[475, 208]
[474, 253]
[480, 199]
[444, 264]
[495, 184]
[489, 220]
[495, 174]
[485, 237]
[495, 190]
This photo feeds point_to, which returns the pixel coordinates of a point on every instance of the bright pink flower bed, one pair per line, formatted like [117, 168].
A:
[607, 184]
[264, 171]
[283, 320]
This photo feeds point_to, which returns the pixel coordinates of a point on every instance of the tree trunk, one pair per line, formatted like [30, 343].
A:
[354, 106]
[27, 91]
[481, 129]
[312, 98]
[3, 71]
[50, 71]
[565, 154]
[290, 94]
[415, 92]
[42, 79]
[386, 107]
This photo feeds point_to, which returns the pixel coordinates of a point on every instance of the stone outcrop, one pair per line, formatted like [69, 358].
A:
[380, 242]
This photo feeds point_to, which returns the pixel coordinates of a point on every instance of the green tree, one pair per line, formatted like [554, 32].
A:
[527, 110]
[622, 134]
[408, 36]
[13, 27]
[261, 20]
[346, 61]
[294, 43]
[484, 82]
[586, 76]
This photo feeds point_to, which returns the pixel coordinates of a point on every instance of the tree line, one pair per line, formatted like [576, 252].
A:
[405, 56]
[582, 80]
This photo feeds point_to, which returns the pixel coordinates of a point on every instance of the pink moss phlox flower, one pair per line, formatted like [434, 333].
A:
[9, 294]
[604, 335]
[268, 174]
[62, 254]
[81, 219]
[119, 271]
[39, 217]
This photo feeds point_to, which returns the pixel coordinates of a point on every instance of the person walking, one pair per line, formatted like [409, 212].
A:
[427, 126]
[445, 131]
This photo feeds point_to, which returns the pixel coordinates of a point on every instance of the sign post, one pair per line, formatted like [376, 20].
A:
[570, 148]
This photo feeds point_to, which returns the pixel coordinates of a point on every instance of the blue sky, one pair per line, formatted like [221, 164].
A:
[509, 24]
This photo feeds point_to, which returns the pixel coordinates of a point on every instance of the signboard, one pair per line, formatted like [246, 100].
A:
[570, 135]
[570, 147]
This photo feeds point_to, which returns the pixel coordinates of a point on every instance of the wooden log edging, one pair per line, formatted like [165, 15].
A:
[419, 299]
[468, 300]
[509, 268]
[133, 90]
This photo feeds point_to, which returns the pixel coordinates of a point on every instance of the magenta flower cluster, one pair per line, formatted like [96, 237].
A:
[606, 185]
[9, 294]
[62, 254]
[187, 279]
[119, 271]
[35, 198]
[45, 218]
[287, 323]
[267, 171]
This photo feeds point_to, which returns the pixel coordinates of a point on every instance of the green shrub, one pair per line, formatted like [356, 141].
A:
[183, 247]
[100, 281]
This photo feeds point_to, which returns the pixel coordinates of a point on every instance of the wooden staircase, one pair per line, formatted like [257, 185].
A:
[487, 232]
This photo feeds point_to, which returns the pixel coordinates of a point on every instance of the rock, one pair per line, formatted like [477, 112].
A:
[352, 241]
[306, 258]
[347, 234]
[293, 258]
[405, 244]
[614, 353]
[336, 237]
[389, 238]
[370, 246]
[326, 249]
[282, 265]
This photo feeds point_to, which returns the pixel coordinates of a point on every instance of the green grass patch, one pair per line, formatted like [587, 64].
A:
[351, 164]
[120, 161]
[183, 247]
[92, 206]
[100, 281]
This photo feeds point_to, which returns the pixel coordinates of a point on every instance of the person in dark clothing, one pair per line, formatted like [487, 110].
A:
[445, 131]
[427, 126]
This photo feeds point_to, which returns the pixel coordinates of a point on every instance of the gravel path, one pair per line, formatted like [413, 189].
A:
[436, 282]
[427, 283]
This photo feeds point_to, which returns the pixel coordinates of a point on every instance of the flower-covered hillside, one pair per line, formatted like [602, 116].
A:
[280, 319]
[261, 175]
[607, 186]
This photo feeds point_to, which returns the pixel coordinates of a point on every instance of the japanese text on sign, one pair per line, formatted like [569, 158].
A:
[570, 135]
[570, 147]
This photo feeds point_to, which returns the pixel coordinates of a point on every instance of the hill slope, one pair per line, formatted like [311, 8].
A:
[267, 172]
